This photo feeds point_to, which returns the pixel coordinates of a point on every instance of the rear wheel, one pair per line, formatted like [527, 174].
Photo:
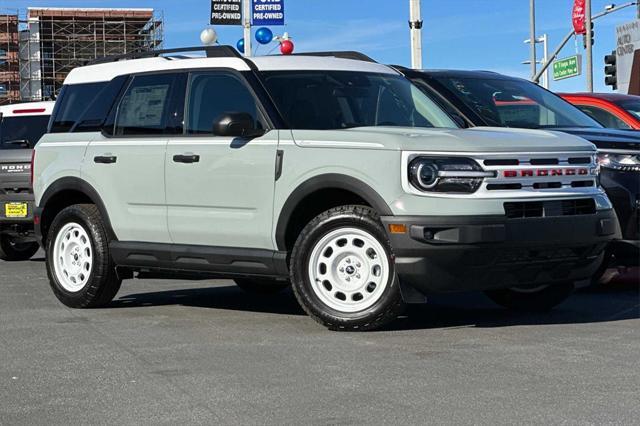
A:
[262, 286]
[535, 299]
[15, 252]
[79, 265]
[343, 273]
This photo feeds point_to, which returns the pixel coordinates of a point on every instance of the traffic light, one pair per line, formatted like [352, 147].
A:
[611, 70]
[593, 37]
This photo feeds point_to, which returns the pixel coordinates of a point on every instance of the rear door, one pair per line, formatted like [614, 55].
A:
[220, 189]
[127, 166]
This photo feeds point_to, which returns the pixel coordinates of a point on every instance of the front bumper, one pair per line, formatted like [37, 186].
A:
[446, 254]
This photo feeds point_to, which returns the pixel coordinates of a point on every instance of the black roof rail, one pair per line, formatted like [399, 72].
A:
[211, 51]
[347, 54]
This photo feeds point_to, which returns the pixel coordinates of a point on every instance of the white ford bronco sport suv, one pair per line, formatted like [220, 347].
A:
[333, 175]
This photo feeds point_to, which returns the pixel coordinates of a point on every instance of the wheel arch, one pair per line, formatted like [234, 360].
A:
[333, 189]
[63, 193]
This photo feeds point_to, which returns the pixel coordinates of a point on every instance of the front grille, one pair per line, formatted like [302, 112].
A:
[529, 209]
[539, 172]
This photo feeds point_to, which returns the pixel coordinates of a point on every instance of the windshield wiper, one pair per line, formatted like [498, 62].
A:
[17, 142]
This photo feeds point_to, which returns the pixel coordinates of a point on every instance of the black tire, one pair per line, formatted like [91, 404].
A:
[384, 310]
[262, 286]
[103, 283]
[541, 300]
[12, 252]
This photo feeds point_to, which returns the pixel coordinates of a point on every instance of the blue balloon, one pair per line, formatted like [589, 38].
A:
[240, 45]
[264, 35]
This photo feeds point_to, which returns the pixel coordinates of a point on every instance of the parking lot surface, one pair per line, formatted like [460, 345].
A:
[199, 352]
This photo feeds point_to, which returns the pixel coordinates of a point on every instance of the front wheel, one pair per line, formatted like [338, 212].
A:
[81, 272]
[537, 299]
[343, 272]
[14, 252]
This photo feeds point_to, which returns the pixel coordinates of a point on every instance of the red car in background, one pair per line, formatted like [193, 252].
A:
[612, 110]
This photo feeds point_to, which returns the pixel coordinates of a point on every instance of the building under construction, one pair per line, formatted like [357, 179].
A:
[51, 42]
[9, 66]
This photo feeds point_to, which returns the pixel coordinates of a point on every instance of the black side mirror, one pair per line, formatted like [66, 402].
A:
[237, 125]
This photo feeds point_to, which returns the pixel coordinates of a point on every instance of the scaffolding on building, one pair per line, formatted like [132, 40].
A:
[9, 65]
[57, 40]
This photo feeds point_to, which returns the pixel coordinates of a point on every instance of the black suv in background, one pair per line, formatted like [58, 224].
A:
[483, 98]
[21, 127]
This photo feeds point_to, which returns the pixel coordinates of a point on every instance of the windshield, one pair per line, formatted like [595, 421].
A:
[515, 103]
[17, 129]
[323, 100]
[632, 106]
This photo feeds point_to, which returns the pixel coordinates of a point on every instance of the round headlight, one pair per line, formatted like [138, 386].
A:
[423, 173]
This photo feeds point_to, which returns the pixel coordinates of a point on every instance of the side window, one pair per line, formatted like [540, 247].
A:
[72, 103]
[604, 117]
[212, 94]
[143, 108]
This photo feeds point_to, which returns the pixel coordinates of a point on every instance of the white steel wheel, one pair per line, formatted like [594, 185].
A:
[72, 257]
[349, 270]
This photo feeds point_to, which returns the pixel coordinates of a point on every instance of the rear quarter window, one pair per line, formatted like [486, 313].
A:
[73, 103]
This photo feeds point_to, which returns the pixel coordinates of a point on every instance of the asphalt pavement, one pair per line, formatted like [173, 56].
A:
[204, 352]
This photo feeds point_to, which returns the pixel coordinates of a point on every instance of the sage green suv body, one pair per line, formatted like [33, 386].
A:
[334, 175]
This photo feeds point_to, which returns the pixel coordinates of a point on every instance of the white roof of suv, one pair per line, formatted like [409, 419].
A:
[110, 70]
[27, 108]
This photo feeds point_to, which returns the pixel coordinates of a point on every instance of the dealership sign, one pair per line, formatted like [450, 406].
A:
[567, 68]
[627, 42]
[268, 12]
[226, 12]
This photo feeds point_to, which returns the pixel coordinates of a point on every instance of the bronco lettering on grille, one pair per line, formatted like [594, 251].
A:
[545, 172]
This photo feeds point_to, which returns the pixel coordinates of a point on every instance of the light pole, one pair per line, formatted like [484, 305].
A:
[589, 37]
[415, 24]
[246, 17]
[532, 35]
[544, 39]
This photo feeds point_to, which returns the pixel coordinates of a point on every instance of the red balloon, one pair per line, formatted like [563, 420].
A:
[286, 47]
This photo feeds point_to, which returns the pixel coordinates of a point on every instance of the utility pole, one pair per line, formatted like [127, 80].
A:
[415, 25]
[246, 14]
[589, 37]
[546, 81]
[532, 37]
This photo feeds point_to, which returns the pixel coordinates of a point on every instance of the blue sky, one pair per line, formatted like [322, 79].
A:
[467, 34]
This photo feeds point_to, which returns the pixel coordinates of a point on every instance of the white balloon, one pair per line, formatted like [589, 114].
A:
[208, 36]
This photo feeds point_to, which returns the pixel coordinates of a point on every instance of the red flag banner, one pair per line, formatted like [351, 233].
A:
[579, 17]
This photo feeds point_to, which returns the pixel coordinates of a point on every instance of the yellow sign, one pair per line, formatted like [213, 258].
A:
[16, 210]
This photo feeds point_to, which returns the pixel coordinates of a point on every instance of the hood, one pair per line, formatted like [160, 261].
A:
[607, 138]
[477, 139]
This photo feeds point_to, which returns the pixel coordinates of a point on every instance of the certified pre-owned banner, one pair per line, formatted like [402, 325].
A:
[268, 12]
[226, 12]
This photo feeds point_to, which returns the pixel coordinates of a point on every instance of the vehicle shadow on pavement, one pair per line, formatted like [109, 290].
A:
[475, 310]
[225, 297]
[443, 311]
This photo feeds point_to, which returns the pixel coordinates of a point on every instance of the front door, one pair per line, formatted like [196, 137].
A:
[220, 189]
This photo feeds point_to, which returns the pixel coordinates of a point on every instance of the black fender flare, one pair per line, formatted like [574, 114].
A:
[71, 183]
[327, 181]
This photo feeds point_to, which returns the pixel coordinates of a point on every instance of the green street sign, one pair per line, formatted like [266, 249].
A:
[567, 68]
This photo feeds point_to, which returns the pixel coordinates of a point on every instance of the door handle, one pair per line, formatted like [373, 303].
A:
[105, 159]
[186, 159]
